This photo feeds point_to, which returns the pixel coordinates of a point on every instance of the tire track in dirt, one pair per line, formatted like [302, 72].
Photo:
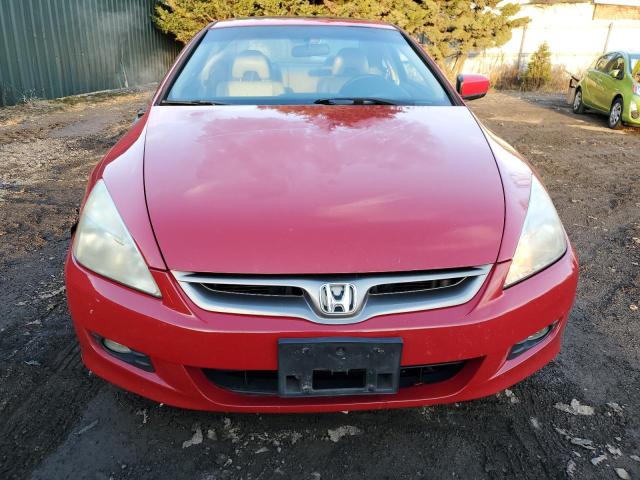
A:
[46, 152]
[53, 388]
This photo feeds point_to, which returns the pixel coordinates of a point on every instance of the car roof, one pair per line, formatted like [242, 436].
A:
[622, 52]
[300, 21]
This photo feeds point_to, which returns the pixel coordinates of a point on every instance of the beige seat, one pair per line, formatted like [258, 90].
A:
[251, 76]
[349, 63]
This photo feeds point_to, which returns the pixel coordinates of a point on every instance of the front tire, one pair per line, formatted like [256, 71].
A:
[578, 105]
[615, 114]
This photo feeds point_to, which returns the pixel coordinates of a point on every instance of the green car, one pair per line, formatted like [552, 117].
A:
[612, 86]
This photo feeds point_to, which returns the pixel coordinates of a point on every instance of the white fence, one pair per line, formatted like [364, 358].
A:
[575, 39]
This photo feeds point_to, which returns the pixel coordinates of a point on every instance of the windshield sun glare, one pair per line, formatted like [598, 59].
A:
[291, 65]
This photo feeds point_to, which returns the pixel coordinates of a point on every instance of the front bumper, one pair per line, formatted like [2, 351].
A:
[631, 112]
[183, 341]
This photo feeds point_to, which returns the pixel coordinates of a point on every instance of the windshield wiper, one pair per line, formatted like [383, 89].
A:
[354, 101]
[190, 102]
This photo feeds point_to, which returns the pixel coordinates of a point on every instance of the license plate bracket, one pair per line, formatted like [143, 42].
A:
[338, 366]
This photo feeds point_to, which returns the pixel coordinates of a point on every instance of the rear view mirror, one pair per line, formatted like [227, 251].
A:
[472, 86]
[310, 50]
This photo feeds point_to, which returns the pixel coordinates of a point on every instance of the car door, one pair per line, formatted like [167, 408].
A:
[592, 97]
[612, 81]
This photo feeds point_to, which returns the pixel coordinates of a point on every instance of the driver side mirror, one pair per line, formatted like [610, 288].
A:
[471, 86]
[139, 114]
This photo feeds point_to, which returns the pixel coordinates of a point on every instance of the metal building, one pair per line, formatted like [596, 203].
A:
[54, 48]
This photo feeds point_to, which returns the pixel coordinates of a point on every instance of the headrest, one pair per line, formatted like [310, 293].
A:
[251, 65]
[350, 61]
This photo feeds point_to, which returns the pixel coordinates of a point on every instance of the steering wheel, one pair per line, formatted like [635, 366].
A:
[369, 85]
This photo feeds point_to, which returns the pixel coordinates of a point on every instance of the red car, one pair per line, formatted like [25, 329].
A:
[309, 218]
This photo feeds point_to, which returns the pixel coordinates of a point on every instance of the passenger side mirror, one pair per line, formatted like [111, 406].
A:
[616, 74]
[472, 86]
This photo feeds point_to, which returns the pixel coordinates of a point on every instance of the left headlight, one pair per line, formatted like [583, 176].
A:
[542, 240]
[103, 244]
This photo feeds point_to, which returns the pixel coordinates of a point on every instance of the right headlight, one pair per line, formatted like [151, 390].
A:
[542, 240]
[103, 244]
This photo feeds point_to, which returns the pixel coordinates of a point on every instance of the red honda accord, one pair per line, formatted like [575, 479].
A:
[309, 218]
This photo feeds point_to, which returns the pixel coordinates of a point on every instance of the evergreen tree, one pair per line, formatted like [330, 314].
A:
[458, 27]
[184, 18]
[452, 28]
[409, 15]
[538, 71]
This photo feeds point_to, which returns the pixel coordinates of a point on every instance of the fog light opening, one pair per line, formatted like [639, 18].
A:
[530, 342]
[126, 354]
[115, 347]
[539, 334]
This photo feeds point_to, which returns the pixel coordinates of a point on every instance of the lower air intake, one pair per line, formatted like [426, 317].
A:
[265, 382]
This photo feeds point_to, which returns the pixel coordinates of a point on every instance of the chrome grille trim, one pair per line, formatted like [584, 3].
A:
[465, 284]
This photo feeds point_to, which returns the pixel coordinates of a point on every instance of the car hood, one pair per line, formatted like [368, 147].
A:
[321, 189]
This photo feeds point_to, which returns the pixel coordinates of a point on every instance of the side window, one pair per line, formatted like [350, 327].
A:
[601, 64]
[616, 67]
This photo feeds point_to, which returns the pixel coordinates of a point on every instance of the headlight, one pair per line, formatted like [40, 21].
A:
[103, 244]
[542, 240]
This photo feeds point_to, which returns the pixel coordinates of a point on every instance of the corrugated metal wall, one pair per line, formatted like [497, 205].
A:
[54, 48]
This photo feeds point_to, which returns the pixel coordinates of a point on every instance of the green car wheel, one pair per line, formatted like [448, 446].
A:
[615, 114]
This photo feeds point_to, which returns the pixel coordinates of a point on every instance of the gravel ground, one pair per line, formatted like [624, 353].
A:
[579, 417]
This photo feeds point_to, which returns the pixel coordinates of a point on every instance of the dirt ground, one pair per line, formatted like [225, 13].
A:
[59, 421]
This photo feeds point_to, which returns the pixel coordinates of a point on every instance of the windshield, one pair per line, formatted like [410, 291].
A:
[635, 66]
[294, 65]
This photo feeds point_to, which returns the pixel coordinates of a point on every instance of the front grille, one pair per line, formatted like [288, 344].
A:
[265, 382]
[266, 290]
[407, 287]
[300, 296]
